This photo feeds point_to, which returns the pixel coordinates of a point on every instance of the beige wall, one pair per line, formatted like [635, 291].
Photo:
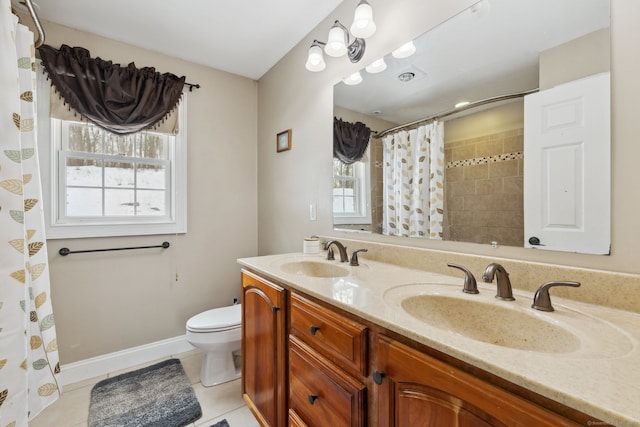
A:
[104, 302]
[291, 97]
[582, 57]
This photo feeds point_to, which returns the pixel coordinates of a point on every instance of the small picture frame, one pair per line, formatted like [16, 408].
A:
[283, 141]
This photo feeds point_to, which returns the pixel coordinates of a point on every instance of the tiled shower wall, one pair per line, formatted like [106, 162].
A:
[483, 189]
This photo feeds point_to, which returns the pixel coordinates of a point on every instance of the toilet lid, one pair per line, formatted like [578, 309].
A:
[222, 318]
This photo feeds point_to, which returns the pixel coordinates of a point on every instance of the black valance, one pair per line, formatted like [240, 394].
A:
[122, 100]
[350, 140]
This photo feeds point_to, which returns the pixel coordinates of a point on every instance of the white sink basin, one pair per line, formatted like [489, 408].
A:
[314, 269]
[510, 324]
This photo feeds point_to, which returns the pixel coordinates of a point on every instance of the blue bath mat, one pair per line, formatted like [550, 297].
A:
[222, 423]
[156, 396]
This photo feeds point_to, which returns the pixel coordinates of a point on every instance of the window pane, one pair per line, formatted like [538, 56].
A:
[85, 138]
[340, 169]
[338, 206]
[116, 145]
[151, 203]
[152, 176]
[119, 174]
[84, 172]
[119, 202]
[349, 204]
[153, 146]
[84, 202]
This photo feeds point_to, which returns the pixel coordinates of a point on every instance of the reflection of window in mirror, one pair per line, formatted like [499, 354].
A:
[351, 204]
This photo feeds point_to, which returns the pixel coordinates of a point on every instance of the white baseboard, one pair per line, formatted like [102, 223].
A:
[123, 359]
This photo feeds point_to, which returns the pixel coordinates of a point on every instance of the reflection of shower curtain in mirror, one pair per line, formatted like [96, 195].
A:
[28, 346]
[414, 182]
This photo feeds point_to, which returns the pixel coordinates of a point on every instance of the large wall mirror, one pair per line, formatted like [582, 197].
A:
[525, 163]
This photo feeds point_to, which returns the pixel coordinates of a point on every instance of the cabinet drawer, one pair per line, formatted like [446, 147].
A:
[339, 339]
[319, 393]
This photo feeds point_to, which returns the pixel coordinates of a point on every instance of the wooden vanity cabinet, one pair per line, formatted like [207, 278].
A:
[416, 389]
[343, 371]
[327, 363]
[264, 349]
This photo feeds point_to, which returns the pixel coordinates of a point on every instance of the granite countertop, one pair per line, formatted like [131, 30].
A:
[600, 377]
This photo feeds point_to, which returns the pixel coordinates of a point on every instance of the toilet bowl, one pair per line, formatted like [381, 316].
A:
[217, 333]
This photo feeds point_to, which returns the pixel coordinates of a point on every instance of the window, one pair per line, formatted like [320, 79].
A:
[103, 184]
[350, 197]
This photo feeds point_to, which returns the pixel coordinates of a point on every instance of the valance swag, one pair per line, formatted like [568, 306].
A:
[350, 140]
[122, 100]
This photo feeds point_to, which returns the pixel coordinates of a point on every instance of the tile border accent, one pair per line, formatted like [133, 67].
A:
[487, 159]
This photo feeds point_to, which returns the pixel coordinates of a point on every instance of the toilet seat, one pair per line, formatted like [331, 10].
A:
[216, 320]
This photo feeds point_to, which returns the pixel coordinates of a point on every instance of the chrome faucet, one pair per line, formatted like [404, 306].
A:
[502, 281]
[341, 248]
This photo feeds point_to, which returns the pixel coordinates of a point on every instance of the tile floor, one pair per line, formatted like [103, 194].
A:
[218, 402]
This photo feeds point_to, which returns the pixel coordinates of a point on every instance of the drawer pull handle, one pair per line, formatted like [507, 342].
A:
[377, 377]
[314, 329]
[312, 399]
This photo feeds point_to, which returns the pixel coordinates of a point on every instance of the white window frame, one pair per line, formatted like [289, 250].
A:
[362, 175]
[59, 227]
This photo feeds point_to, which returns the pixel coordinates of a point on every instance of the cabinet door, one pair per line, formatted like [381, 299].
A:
[421, 391]
[263, 349]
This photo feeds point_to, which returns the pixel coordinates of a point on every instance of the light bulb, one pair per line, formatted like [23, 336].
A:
[363, 25]
[315, 60]
[376, 66]
[353, 79]
[336, 43]
[404, 51]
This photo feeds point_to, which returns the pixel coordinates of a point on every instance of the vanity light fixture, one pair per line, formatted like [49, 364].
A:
[363, 25]
[404, 51]
[376, 66]
[339, 40]
[353, 79]
[315, 60]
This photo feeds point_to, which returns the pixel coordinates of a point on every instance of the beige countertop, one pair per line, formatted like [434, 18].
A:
[600, 377]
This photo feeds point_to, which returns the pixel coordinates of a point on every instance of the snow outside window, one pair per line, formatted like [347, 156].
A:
[103, 184]
[351, 203]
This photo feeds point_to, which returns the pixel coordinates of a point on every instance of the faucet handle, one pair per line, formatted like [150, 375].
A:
[542, 300]
[354, 257]
[470, 285]
[330, 255]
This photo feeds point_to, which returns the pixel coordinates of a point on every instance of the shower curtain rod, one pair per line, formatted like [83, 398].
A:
[455, 111]
[40, 40]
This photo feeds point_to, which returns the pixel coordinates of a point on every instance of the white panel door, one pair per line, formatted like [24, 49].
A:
[567, 167]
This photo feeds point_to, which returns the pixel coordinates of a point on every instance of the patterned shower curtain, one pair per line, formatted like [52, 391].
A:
[414, 182]
[28, 347]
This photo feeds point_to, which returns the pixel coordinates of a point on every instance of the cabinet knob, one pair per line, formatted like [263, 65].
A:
[314, 329]
[275, 309]
[312, 399]
[377, 377]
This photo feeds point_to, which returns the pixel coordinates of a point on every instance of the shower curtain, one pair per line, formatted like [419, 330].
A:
[413, 188]
[29, 361]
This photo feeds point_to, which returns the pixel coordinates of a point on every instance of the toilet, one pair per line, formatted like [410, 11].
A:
[217, 333]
